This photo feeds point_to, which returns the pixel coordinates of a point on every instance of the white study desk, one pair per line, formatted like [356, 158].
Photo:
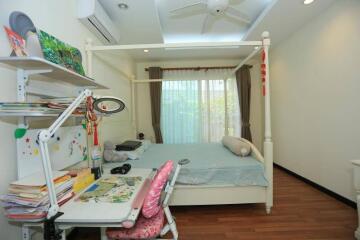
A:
[102, 215]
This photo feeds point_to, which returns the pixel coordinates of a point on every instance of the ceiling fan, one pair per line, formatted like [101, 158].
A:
[214, 8]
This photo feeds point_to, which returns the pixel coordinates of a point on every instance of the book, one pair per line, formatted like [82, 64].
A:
[28, 197]
[37, 180]
[29, 213]
[17, 43]
[114, 189]
[36, 200]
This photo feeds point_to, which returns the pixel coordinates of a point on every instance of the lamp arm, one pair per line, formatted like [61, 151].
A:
[68, 111]
[44, 137]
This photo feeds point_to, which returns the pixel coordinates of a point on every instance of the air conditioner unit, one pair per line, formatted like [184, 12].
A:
[94, 17]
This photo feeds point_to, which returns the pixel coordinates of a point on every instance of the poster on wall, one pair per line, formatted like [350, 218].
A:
[66, 147]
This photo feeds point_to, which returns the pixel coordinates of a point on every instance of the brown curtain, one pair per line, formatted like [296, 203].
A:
[155, 95]
[243, 82]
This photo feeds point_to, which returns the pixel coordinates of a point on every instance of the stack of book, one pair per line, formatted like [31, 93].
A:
[28, 197]
[82, 178]
[46, 106]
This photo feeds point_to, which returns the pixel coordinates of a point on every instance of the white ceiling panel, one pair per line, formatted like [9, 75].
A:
[187, 26]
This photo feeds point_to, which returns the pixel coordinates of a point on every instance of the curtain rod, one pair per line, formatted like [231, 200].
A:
[196, 68]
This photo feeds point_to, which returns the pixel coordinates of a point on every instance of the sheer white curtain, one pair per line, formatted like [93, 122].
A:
[234, 117]
[193, 106]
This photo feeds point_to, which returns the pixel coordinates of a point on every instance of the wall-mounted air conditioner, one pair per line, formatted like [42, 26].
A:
[93, 15]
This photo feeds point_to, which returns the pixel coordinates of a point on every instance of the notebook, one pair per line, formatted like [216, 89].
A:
[128, 146]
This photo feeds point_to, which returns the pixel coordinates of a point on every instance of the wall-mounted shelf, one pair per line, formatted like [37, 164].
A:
[40, 66]
[58, 82]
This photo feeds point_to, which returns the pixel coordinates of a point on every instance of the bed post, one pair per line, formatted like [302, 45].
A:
[268, 144]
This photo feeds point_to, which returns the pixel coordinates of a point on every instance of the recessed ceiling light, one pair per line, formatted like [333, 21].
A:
[146, 50]
[307, 2]
[123, 6]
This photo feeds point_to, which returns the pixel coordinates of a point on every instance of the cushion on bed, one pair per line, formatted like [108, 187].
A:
[255, 153]
[236, 145]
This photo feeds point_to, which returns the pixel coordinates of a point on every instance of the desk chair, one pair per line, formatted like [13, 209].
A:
[150, 223]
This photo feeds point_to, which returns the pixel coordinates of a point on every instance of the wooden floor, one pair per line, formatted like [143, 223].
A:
[300, 212]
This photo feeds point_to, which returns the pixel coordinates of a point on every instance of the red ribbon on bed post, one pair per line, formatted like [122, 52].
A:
[263, 72]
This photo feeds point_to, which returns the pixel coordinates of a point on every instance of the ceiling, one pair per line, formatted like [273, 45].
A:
[150, 21]
[187, 27]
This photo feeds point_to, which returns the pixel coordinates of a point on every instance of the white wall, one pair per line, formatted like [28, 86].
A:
[143, 109]
[57, 18]
[315, 101]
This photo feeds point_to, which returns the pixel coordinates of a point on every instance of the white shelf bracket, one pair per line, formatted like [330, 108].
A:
[23, 79]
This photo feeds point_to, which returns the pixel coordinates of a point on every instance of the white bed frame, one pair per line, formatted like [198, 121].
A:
[208, 194]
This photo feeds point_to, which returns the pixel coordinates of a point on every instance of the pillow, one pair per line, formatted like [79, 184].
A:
[114, 156]
[254, 151]
[236, 145]
[152, 204]
[132, 155]
[135, 154]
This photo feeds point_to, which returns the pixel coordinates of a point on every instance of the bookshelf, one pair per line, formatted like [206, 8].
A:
[52, 74]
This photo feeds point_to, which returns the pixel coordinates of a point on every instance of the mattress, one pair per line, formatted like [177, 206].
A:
[210, 164]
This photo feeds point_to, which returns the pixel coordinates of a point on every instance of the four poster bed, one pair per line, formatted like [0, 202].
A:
[206, 193]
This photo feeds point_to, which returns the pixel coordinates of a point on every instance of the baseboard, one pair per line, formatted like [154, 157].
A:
[319, 187]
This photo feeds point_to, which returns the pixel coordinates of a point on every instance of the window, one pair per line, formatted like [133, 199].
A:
[197, 106]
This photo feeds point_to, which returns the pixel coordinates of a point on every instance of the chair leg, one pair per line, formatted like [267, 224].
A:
[165, 229]
[171, 225]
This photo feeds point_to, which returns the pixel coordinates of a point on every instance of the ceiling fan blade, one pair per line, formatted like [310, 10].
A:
[208, 22]
[232, 12]
[187, 7]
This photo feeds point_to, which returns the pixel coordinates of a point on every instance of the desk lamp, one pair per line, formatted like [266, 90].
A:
[105, 105]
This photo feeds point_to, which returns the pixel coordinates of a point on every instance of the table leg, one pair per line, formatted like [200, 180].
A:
[103, 233]
[63, 234]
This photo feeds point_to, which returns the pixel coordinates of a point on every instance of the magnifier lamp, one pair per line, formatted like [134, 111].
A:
[105, 105]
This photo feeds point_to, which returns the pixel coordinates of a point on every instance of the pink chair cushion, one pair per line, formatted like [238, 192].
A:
[152, 203]
[145, 228]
